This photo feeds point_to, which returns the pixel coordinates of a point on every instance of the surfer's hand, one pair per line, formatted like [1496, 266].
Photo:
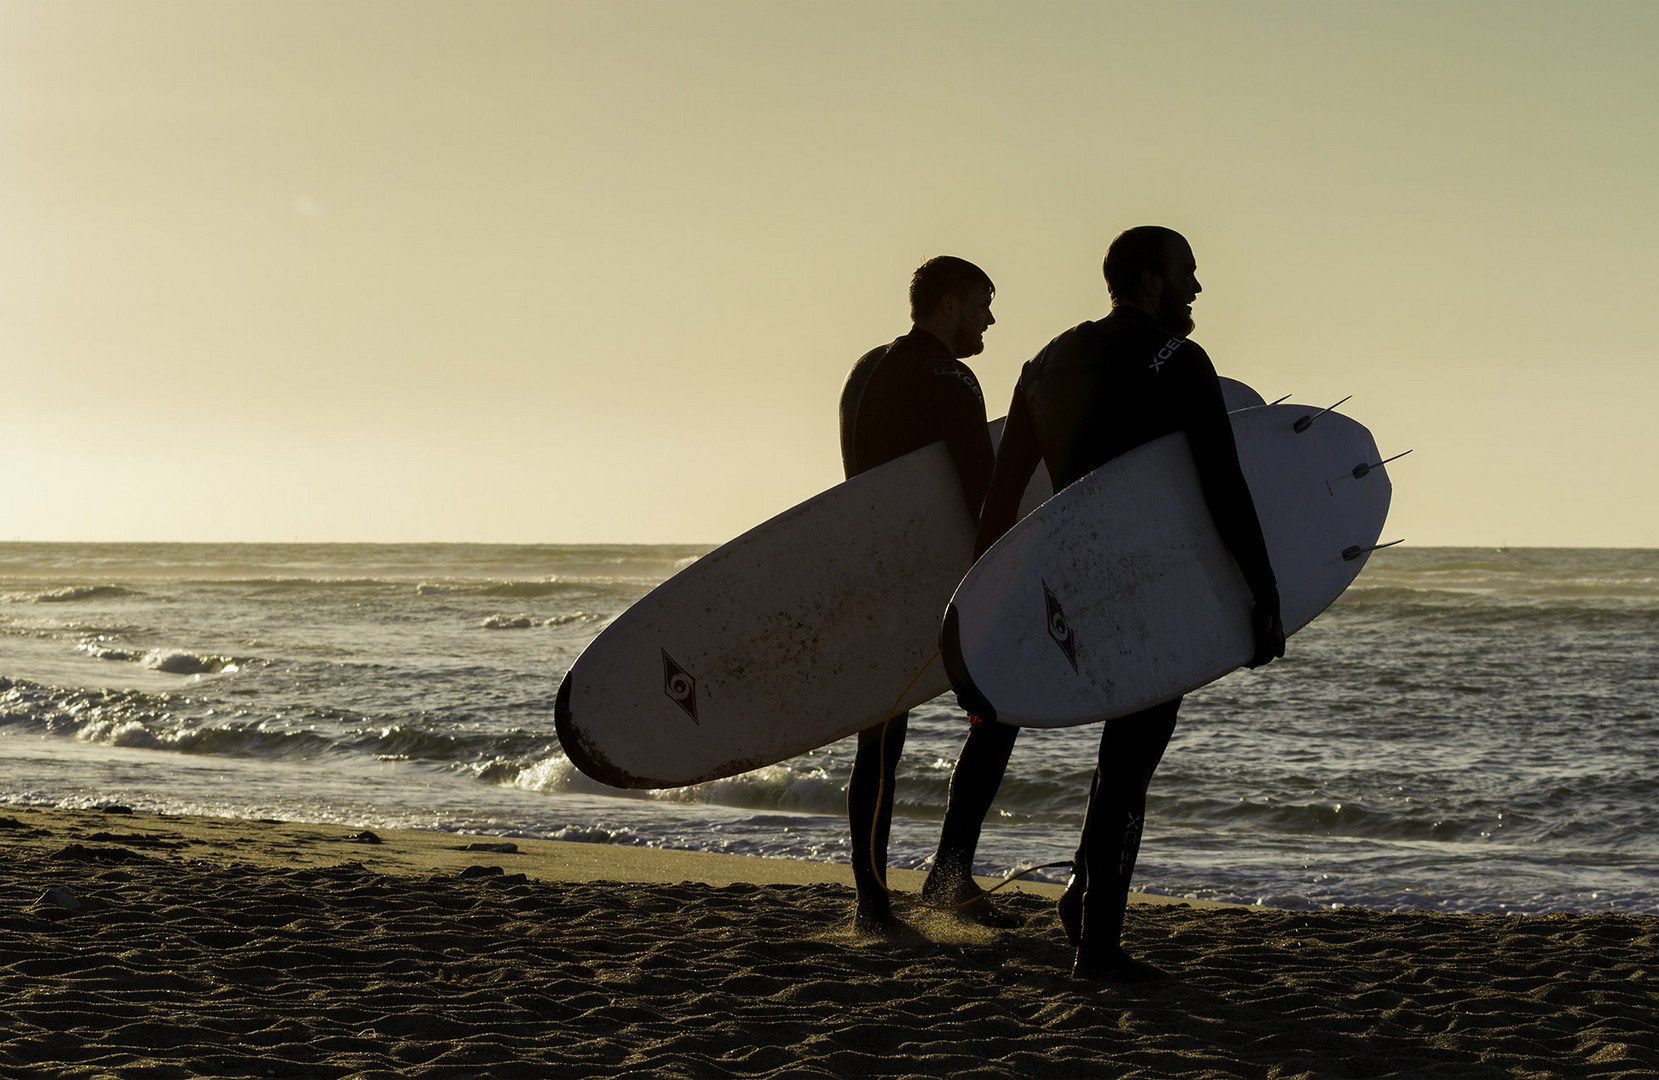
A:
[1270, 636]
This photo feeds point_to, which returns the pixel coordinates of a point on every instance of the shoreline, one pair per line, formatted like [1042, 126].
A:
[273, 844]
[162, 946]
[279, 844]
[276, 844]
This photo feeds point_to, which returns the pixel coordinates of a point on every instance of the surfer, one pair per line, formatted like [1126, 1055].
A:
[1097, 391]
[898, 398]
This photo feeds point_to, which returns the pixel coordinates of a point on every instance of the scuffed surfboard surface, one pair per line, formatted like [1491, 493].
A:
[1119, 594]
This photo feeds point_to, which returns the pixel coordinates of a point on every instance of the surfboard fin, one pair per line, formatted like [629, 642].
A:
[1307, 421]
[1349, 554]
[1281, 401]
[1361, 469]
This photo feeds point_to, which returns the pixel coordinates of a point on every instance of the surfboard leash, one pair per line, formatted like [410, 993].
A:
[880, 872]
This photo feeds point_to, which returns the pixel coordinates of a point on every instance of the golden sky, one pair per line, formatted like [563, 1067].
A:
[573, 272]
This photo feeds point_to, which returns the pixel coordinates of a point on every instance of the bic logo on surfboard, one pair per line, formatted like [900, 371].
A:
[679, 686]
[1058, 628]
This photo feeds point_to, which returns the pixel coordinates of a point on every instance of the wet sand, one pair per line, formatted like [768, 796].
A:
[158, 947]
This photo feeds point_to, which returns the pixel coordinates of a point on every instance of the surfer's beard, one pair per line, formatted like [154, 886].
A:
[1176, 317]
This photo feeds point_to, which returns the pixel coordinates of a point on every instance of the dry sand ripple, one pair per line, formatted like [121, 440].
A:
[166, 958]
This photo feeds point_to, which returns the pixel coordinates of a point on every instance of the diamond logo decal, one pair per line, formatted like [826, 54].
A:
[1058, 628]
[680, 686]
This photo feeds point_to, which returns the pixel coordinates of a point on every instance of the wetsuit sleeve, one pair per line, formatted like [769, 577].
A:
[1226, 492]
[1017, 458]
[969, 443]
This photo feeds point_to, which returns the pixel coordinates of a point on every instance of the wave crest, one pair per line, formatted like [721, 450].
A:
[528, 622]
[172, 661]
[70, 593]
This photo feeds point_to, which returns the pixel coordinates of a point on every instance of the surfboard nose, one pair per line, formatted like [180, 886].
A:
[578, 749]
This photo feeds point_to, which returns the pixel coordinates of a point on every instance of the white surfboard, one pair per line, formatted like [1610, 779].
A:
[1236, 395]
[1118, 593]
[803, 630]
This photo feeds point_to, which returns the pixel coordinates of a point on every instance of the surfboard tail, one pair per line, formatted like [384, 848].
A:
[968, 695]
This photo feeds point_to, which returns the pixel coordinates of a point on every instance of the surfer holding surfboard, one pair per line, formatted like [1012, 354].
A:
[899, 398]
[1096, 392]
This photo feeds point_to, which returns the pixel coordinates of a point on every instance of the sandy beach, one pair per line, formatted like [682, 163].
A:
[139, 945]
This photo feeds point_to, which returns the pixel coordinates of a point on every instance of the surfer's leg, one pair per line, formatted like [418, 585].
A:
[1130, 749]
[973, 787]
[1070, 906]
[874, 768]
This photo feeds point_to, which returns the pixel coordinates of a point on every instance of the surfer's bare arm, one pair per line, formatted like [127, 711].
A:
[1017, 458]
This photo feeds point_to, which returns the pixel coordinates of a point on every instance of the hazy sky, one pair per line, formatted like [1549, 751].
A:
[596, 271]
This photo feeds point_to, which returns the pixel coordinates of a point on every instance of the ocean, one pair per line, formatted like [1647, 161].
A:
[1466, 730]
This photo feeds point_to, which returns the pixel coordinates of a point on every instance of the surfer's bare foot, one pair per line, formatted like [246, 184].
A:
[1115, 965]
[981, 912]
[1070, 910]
[968, 902]
[879, 922]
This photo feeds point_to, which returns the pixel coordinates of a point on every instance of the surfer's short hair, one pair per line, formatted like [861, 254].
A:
[1134, 250]
[942, 276]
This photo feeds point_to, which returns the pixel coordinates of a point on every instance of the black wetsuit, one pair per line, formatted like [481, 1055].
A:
[899, 398]
[910, 394]
[1093, 393]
